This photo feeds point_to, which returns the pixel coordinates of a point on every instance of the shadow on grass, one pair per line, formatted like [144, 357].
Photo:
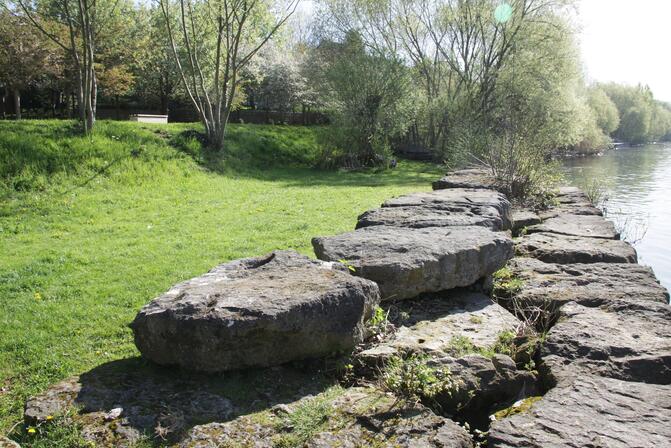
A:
[273, 164]
[127, 400]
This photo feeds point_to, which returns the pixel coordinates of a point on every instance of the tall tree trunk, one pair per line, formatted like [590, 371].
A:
[17, 104]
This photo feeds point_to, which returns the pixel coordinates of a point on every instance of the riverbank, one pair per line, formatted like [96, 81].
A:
[510, 352]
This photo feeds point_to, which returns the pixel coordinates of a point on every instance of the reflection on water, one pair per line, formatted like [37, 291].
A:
[637, 182]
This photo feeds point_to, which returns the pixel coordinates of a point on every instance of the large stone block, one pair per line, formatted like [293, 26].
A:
[590, 226]
[443, 208]
[591, 411]
[555, 248]
[588, 284]
[407, 262]
[256, 312]
[630, 341]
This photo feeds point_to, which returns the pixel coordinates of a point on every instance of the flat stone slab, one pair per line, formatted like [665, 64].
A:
[623, 340]
[524, 218]
[578, 225]
[571, 200]
[467, 178]
[357, 417]
[589, 284]
[443, 208]
[256, 312]
[407, 262]
[591, 412]
[433, 324]
[420, 217]
[554, 248]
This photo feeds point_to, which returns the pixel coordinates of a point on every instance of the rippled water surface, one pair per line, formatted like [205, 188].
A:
[637, 185]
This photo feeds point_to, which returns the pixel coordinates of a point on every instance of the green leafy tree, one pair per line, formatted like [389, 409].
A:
[368, 97]
[604, 109]
[26, 56]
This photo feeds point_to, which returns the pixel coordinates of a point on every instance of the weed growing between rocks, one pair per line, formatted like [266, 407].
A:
[298, 426]
[411, 379]
[505, 283]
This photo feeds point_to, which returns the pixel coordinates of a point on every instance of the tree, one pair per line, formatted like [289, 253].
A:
[75, 26]
[605, 112]
[213, 42]
[368, 98]
[156, 74]
[25, 56]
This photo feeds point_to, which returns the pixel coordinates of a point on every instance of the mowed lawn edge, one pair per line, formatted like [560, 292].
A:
[92, 229]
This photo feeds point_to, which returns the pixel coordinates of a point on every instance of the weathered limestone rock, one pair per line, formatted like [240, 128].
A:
[467, 178]
[454, 329]
[554, 248]
[485, 383]
[590, 284]
[433, 325]
[578, 225]
[443, 208]
[357, 417]
[591, 412]
[571, 200]
[407, 262]
[419, 217]
[524, 218]
[6, 443]
[256, 312]
[623, 340]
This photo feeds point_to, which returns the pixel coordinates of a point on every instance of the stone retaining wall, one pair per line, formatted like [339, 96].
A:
[568, 345]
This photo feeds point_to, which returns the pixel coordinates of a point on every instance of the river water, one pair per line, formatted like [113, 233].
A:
[636, 182]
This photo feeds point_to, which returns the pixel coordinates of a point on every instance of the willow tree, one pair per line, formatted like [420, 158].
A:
[211, 43]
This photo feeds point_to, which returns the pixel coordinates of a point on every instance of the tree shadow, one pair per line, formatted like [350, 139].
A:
[274, 163]
[122, 401]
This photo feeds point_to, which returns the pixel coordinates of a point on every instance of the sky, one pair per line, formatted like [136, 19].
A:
[628, 41]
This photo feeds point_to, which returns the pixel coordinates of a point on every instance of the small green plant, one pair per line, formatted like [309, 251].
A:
[463, 345]
[506, 284]
[475, 319]
[505, 344]
[412, 379]
[306, 420]
[348, 265]
[379, 323]
[595, 191]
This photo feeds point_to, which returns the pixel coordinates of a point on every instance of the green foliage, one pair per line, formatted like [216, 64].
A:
[605, 112]
[642, 118]
[82, 255]
[505, 283]
[413, 379]
[378, 324]
[462, 345]
[368, 98]
[302, 423]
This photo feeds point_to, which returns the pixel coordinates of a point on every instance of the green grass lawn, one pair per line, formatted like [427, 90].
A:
[92, 229]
